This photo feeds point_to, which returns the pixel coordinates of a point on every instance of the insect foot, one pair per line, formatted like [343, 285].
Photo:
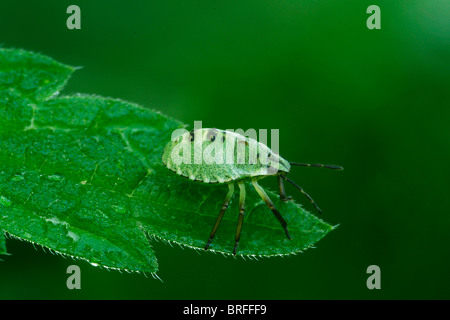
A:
[286, 198]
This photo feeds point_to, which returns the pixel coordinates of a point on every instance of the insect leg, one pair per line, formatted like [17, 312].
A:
[283, 195]
[271, 206]
[221, 213]
[241, 215]
[303, 191]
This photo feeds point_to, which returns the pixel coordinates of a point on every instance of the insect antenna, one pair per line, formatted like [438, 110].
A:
[302, 191]
[317, 165]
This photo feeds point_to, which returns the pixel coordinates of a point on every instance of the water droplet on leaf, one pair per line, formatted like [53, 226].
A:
[4, 201]
[55, 177]
[119, 209]
[17, 177]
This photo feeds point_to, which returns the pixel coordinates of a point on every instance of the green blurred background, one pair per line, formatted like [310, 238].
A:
[374, 101]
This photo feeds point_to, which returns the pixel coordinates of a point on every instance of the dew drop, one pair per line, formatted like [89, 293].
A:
[74, 236]
[55, 177]
[119, 209]
[17, 177]
[4, 201]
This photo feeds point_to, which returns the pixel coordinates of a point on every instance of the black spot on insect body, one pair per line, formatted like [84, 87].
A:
[224, 136]
[211, 135]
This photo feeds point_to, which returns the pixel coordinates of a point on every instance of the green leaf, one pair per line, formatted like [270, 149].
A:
[35, 76]
[82, 175]
[2, 244]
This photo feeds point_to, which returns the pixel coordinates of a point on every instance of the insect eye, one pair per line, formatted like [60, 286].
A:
[213, 138]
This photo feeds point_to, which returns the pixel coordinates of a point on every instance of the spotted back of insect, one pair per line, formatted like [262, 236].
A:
[219, 156]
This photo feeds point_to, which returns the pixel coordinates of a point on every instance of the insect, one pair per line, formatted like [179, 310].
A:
[225, 157]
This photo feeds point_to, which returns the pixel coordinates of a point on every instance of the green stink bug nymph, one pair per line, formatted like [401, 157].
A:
[226, 157]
